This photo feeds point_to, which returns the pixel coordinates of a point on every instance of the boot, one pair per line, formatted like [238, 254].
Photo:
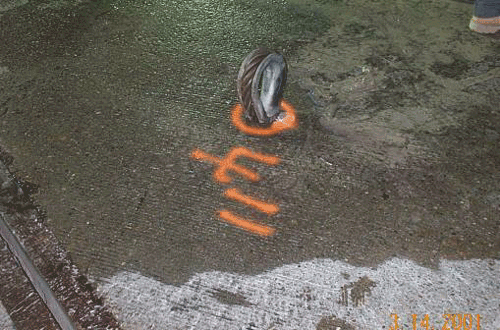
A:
[486, 17]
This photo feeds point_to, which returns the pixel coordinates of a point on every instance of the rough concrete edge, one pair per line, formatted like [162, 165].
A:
[36, 279]
[73, 292]
[23, 306]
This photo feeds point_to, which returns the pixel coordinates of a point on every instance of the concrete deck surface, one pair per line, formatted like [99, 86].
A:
[388, 190]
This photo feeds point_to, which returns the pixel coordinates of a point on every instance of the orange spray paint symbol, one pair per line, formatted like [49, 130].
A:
[235, 194]
[228, 164]
[287, 123]
[245, 224]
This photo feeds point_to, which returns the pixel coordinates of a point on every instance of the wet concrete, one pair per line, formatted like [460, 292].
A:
[396, 153]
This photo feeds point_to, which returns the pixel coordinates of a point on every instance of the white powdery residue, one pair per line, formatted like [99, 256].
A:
[5, 321]
[297, 296]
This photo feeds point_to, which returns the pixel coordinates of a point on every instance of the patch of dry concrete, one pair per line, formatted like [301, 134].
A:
[305, 296]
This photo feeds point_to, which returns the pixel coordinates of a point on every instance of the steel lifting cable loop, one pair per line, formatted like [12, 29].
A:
[260, 84]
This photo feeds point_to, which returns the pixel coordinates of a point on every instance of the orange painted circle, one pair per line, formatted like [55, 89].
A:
[289, 122]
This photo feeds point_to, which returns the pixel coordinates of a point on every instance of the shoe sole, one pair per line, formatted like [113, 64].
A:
[485, 25]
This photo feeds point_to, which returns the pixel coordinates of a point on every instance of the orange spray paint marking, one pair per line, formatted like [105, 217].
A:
[247, 225]
[289, 122]
[236, 194]
[227, 163]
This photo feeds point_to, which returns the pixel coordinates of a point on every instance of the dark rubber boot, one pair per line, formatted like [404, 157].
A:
[486, 17]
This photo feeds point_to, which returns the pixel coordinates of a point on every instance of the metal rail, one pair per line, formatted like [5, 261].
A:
[41, 286]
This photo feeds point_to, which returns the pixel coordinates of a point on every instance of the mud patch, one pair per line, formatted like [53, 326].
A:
[230, 298]
[375, 141]
[356, 292]
[453, 70]
[383, 97]
[333, 323]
